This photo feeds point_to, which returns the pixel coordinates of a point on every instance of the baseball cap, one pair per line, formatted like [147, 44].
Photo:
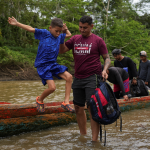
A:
[143, 53]
[116, 51]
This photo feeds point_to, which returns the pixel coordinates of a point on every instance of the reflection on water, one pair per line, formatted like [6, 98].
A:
[27, 91]
[135, 133]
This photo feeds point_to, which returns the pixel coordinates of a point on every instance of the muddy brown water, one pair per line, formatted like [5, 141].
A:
[135, 133]
[26, 91]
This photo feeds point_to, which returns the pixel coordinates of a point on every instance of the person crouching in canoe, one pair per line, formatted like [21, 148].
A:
[120, 78]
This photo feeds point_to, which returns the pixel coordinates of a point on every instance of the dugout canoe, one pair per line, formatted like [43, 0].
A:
[19, 118]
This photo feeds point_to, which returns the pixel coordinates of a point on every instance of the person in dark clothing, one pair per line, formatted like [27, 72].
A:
[144, 68]
[138, 89]
[122, 62]
[120, 78]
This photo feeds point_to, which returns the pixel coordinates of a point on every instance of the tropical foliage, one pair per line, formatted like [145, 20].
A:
[117, 22]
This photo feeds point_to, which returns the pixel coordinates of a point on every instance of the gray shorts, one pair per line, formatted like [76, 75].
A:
[83, 89]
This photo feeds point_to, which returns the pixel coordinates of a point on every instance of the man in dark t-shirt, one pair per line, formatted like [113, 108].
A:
[122, 61]
[144, 68]
[87, 48]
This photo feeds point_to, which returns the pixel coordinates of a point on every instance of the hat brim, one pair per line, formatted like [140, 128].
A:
[143, 55]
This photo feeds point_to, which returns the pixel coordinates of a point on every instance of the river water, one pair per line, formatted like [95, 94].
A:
[135, 133]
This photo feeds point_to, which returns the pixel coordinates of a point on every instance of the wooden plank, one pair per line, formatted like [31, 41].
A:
[4, 103]
[53, 116]
[135, 99]
[14, 126]
[28, 110]
[134, 105]
[23, 110]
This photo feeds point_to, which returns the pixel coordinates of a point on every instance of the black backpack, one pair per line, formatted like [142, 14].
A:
[138, 90]
[104, 107]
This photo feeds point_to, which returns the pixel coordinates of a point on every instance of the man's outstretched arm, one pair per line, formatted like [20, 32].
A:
[14, 22]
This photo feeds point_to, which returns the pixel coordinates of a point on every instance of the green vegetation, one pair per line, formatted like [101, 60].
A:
[12, 57]
[116, 21]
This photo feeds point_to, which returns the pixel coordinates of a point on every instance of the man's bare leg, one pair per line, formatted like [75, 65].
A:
[94, 127]
[81, 119]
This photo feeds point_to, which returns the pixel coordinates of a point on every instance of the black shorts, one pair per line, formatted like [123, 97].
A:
[83, 89]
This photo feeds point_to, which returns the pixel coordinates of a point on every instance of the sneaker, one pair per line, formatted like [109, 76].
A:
[40, 106]
[67, 107]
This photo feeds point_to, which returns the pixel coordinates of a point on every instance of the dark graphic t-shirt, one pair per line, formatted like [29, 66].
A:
[86, 52]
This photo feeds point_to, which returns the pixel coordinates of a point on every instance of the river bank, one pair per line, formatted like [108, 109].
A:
[17, 63]
[16, 72]
[9, 73]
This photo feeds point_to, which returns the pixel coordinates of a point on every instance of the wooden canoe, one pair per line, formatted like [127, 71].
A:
[19, 118]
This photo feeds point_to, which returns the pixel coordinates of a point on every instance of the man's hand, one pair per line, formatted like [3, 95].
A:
[126, 97]
[12, 21]
[146, 83]
[64, 28]
[104, 75]
[106, 65]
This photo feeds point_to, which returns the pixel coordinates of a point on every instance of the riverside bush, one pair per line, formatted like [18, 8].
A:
[9, 57]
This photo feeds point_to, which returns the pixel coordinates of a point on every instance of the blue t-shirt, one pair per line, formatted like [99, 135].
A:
[48, 48]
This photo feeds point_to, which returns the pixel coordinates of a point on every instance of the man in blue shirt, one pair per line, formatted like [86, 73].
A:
[45, 61]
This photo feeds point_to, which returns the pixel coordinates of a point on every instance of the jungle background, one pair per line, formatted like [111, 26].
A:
[121, 23]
